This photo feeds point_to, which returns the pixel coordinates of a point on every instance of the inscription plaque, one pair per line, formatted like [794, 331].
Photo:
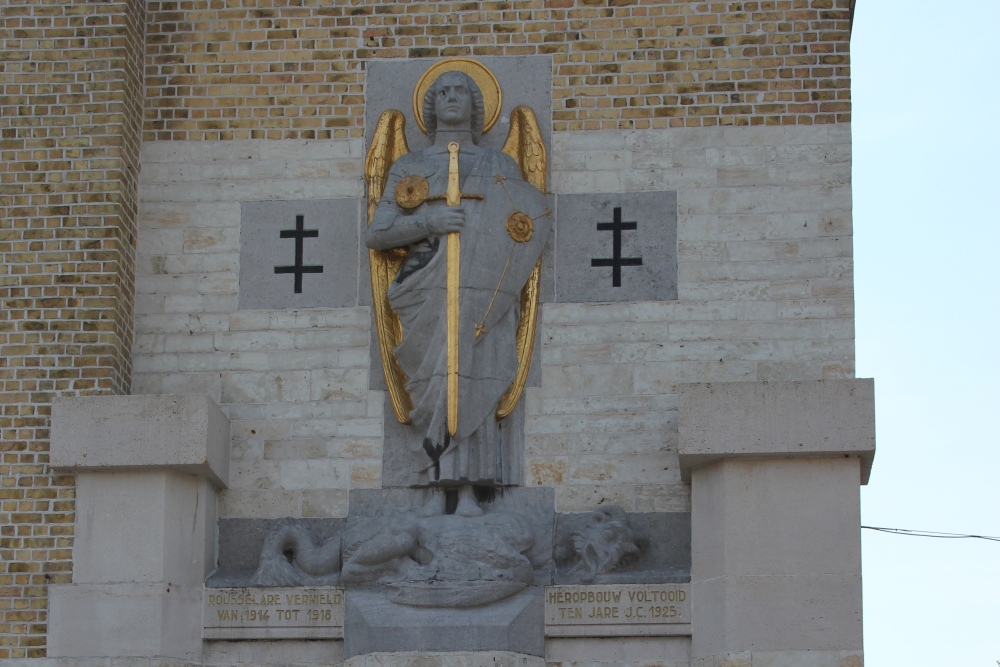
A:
[617, 610]
[274, 613]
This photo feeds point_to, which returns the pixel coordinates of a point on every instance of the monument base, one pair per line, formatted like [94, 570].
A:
[463, 659]
[372, 625]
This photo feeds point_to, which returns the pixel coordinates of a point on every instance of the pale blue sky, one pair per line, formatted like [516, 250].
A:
[926, 242]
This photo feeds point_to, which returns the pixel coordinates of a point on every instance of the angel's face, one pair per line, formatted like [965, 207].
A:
[452, 101]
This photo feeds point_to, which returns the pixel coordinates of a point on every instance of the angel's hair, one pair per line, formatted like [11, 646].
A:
[478, 107]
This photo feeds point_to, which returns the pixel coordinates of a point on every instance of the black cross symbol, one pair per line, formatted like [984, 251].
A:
[298, 269]
[617, 261]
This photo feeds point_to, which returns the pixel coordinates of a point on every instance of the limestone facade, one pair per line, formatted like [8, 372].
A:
[765, 294]
[130, 133]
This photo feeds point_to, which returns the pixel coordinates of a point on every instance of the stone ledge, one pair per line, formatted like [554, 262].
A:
[97, 662]
[821, 418]
[853, 658]
[186, 433]
[456, 659]
[618, 631]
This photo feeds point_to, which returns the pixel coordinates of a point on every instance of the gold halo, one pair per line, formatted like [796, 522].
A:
[488, 84]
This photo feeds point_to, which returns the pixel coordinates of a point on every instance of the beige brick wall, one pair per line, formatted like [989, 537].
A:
[243, 69]
[69, 139]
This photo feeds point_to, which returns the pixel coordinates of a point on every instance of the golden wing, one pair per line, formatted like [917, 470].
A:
[524, 144]
[388, 145]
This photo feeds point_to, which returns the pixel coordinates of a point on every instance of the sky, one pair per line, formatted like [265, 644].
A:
[926, 141]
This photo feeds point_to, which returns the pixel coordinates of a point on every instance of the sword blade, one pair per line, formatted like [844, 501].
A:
[453, 198]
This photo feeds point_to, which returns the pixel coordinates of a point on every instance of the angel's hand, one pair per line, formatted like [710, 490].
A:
[444, 220]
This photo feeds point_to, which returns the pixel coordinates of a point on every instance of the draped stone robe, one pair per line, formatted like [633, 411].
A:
[483, 451]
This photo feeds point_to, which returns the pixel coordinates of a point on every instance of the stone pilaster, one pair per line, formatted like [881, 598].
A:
[776, 545]
[147, 469]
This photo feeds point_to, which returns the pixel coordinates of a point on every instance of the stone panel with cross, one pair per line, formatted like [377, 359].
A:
[616, 247]
[299, 254]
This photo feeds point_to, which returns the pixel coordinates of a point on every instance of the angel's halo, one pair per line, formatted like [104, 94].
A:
[480, 73]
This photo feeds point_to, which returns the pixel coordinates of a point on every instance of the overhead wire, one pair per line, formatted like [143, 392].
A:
[932, 533]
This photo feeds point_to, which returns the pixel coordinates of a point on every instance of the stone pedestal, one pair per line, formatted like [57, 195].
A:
[374, 625]
[146, 471]
[776, 546]
[600, 651]
[458, 659]
[383, 617]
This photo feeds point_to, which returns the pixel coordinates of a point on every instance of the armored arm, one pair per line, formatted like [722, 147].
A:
[392, 226]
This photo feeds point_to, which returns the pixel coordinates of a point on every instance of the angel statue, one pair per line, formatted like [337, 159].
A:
[456, 233]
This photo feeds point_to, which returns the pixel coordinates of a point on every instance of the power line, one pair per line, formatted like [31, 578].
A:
[931, 533]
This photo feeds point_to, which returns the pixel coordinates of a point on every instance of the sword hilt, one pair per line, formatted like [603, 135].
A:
[453, 195]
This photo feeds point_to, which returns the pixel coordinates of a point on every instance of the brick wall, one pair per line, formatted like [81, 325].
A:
[69, 139]
[245, 69]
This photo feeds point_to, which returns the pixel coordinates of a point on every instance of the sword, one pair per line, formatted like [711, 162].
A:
[453, 197]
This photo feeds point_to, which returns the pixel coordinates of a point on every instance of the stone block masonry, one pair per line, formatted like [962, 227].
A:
[296, 70]
[742, 108]
[70, 127]
[764, 293]
[294, 383]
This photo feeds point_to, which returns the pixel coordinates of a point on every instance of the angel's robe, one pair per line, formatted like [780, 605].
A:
[483, 451]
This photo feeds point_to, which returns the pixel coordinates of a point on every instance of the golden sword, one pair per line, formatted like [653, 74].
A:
[453, 197]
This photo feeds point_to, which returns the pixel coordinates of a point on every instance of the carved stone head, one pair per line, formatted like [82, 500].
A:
[454, 93]
[603, 542]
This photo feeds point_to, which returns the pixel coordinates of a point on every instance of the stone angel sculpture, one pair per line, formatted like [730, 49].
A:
[456, 233]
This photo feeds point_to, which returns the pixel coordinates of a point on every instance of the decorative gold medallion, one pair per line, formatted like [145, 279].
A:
[484, 78]
[520, 227]
[412, 191]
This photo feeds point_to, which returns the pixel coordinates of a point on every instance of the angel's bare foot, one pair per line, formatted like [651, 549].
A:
[435, 506]
[467, 505]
